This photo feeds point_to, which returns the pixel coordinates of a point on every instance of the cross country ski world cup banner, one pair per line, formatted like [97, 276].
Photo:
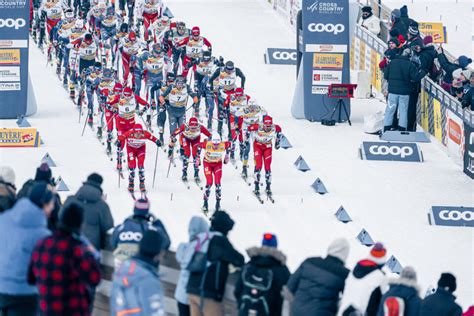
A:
[19, 137]
[14, 23]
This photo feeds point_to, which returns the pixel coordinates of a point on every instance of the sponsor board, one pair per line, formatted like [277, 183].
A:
[435, 29]
[319, 90]
[19, 137]
[10, 86]
[326, 77]
[9, 56]
[452, 216]
[13, 43]
[468, 150]
[328, 61]
[387, 151]
[325, 48]
[10, 73]
[281, 56]
[454, 136]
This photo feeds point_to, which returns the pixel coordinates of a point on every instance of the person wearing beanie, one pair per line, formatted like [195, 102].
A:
[126, 236]
[404, 288]
[366, 277]
[397, 25]
[136, 285]
[369, 21]
[449, 67]
[206, 288]
[97, 215]
[7, 188]
[21, 227]
[442, 302]
[318, 282]
[198, 230]
[467, 100]
[43, 175]
[64, 267]
[270, 262]
[414, 39]
[427, 57]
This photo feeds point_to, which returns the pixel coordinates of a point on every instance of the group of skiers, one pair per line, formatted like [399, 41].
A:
[104, 55]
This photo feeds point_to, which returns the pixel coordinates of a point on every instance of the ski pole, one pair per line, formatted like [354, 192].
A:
[84, 128]
[154, 172]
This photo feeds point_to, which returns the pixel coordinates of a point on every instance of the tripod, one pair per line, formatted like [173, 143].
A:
[339, 107]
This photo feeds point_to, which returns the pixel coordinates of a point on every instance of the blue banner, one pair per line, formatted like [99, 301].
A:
[391, 151]
[326, 55]
[281, 56]
[14, 24]
[452, 216]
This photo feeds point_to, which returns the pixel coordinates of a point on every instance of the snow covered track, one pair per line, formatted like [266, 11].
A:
[389, 199]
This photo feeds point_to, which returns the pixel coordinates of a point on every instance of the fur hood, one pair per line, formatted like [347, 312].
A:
[405, 282]
[268, 252]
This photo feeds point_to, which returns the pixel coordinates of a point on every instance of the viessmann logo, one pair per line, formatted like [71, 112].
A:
[329, 28]
[12, 23]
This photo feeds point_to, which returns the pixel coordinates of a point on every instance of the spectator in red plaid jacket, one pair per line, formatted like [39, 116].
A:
[64, 267]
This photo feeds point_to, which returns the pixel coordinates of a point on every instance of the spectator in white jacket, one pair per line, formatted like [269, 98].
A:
[370, 21]
[364, 279]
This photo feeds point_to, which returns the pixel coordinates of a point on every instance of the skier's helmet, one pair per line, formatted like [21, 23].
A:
[216, 138]
[229, 66]
[127, 92]
[206, 56]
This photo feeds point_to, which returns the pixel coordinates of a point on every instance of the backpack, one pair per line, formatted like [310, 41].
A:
[257, 283]
[198, 262]
[394, 306]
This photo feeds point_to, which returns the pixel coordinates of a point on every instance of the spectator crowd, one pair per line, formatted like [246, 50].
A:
[50, 264]
[407, 60]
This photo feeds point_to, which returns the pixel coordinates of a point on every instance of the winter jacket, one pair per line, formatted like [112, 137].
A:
[127, 236]
[448, 68]
[316, 286]
[65, 270]
[220, 254]
[427, 56]
[363, 280]
[21, 227]
[275, 260]
[413, 41]
[441, 303]
[372, 24]
[401, 73]
[7, 196]
[408, 291]
[184, 255]
[468, 99]
[136, 289]
[97, 217]
[400, 26]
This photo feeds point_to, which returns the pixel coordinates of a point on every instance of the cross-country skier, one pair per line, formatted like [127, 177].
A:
[190, 140]
[162, 107]
[194, 47]
[148, 11]
[136, 152]
[176, 33]
[264, 133]
[215, 151]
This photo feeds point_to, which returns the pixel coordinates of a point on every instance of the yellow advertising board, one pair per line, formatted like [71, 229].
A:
[328, 61]
[362, 56]
[437, 120]
[19, 137]
[373, 67]
[425, 110]
[378, 73]
[9, 56]
[435, 29]
[351, 56]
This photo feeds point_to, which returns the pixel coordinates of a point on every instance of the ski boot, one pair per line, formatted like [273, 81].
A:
[148, 121]
[58, 69]
[209, 124]
[232, 153]
[90, 119]
[141, 176]
[244, 172]
[109, 148]
[205, 207]
[184, 177]
[72, 91]
[196, 175]
[162, 140]
[99, 132]
[218, 205]
[257, 188]
[131, 181]
[268, 181]
[218, 197]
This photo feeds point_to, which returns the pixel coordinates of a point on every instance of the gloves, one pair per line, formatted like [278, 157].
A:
[196, 100]
[158, 143]
[277, 144]
[141, 112]
[153, 105]
[226, 159]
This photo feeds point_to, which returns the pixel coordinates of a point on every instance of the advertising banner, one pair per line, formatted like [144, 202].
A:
[469, 150]
[391, 151]
[14, 23]
[436, 30]
[19, 137]
[452, 216]
[281, 56]
[454, 136]
[326, 57]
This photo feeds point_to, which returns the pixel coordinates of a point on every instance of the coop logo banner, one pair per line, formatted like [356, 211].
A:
[408, 152]
[452, 216]
[280, 56]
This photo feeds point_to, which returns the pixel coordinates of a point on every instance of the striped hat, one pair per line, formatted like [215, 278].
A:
[142, 206]
[378, 254]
